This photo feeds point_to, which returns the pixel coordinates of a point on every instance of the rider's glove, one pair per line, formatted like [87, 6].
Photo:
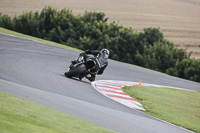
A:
[82, 54]
[86, 51]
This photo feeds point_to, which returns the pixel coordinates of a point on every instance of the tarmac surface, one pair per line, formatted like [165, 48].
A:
[35, 71]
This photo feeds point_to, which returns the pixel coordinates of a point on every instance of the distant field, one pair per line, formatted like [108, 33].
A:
[179, 20]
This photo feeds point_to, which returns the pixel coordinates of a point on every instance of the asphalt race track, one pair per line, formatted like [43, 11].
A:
[34, 71]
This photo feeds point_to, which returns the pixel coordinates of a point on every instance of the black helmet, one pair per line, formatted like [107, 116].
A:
[105, 53]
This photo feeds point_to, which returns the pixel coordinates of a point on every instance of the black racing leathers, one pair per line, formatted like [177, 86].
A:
[101, 62]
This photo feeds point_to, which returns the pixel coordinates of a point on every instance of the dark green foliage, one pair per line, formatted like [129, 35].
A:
[6, 21]
[91, 17]
[160, 56]
[91, 31]
[187, 68]
[27, 23]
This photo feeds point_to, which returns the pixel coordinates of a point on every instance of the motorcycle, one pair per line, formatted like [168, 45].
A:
[81, 68]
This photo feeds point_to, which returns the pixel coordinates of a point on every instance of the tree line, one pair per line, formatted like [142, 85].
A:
[91, 30]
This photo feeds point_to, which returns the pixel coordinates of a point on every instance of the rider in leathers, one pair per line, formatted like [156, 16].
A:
[101, 63]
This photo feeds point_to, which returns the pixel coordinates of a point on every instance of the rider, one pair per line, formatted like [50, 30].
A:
[101, 62]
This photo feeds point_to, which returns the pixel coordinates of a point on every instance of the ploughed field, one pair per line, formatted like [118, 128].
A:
[179, 20]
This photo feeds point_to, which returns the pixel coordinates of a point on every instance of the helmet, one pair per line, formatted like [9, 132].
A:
[105, 53]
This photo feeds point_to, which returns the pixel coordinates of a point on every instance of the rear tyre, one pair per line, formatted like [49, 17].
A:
[76, 71]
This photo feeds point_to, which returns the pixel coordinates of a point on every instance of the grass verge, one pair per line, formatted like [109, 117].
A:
[185, 114]
[5, 31]
[179, 107]
[20, 116]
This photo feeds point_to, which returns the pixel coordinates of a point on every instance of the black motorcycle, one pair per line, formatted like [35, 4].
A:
[81, 68]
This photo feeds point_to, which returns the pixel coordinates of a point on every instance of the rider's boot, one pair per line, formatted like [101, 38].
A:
[80, 77]
[90, 77]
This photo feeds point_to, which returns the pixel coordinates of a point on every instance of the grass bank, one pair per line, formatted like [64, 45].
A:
[20, 116]
[5, 31]
[179, 107]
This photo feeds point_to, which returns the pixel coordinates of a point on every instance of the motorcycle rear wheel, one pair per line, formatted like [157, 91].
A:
[75, 72]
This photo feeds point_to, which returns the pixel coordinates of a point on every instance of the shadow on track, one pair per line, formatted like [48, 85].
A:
[75, 79]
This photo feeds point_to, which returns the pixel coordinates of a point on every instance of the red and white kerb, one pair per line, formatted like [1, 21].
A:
[112, 89]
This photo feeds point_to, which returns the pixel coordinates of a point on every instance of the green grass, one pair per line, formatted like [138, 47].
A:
[20, 116]
[5, 31]
[179, 107]
[176, 106]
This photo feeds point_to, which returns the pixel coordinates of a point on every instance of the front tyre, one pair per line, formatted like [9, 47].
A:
[67, 75]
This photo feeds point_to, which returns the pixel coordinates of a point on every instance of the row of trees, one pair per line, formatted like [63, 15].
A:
[91, 31]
